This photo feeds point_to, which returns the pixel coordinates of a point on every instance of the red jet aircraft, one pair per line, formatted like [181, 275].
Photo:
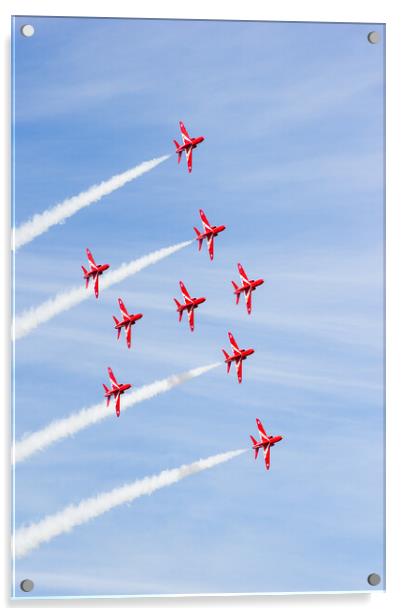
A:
[189, 143]
[265, 443]
[239, 355]
[95, 272]
[117, 390]
[209, 233]
[191, 303]
[247, 287]
[127, 321]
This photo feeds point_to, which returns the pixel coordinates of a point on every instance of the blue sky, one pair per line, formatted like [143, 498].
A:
[292, 164]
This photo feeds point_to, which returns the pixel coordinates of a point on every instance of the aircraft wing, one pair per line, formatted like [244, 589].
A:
[242, 273]
[210, 241]
[191, 318]
[91, 260]
[184, 291]
[189, 154]
[248, 300]
[123, 308]
[96, 285]
[118, 404]
[205, 222]
[184, 134]
[112, 377]
[233, 343]
[261, 430]
[239, 369]
[128, 335]
[267, 455]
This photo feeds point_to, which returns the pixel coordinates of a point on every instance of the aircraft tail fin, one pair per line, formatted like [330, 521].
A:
[116, 320]
[255, 450]
[236, 288]
[227, 357]
[106, 391]
[178, 309]
[198, 234]
[178, 153]
[85, 276]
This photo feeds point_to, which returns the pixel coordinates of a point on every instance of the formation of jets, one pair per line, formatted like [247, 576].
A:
[127, 320]
[190, 304]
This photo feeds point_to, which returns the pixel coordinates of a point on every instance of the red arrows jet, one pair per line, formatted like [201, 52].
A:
[189, 144]
[117, 390]
[94, 272]
[265, 443]
[247, 287]
[190, 304]
[127, 321]
[209, 233]
[239, 355]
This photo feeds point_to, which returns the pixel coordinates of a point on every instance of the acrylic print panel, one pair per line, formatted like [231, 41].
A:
[158, 492]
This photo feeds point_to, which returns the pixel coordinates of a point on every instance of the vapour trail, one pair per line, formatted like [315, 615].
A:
[31, 318]
[62, 428]
[28, 538]
[40, 223]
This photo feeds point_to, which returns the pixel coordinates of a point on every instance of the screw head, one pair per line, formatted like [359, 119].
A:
[373, 37]
[27, 30]
[374, 579]
[26, 585]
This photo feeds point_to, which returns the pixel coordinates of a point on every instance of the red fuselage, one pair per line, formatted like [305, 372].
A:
[244, 353]
[192, 144]
[120, 389]
[96, 271]
[194, 303]
[132, 318]
[252, 284]
[215, 231]
[271, 442]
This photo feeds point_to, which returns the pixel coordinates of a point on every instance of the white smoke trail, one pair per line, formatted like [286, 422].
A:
[30, 319]
[40, 223]
[28, 538]
[62, 428]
